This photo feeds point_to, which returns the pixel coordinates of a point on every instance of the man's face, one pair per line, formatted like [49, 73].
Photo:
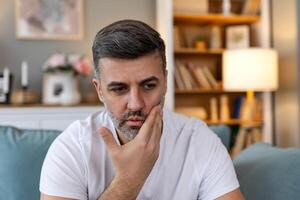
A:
[129, 89]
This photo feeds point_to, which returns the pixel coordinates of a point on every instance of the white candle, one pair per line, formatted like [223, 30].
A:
[24, 77]
[6, 80]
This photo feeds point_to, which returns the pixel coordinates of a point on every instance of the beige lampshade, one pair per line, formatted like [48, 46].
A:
[250, 69]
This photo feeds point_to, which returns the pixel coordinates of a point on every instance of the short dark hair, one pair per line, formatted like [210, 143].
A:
[127, 39]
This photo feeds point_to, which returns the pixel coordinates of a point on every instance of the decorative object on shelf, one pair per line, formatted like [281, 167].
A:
[213, 109]
[200, 43]
[236, 6]
[253, 69]
[5, 85]
[226, 7]
[237, 37]
[215, 6]
[215, 38]
[224, 108]
[24, 75]
[21, 97]
[48, 19]
[60, 80]
[24, 95]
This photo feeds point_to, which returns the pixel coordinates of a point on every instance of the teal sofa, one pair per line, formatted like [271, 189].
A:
[264, 172]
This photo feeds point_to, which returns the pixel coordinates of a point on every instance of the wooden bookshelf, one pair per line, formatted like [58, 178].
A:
[217, 19]
[185, 53]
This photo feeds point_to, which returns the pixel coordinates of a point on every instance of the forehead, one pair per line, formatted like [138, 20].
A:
[126, 70]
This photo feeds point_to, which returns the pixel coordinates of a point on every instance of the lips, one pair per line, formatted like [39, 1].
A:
[135, 121]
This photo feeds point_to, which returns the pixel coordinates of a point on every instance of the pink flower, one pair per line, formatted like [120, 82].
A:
[83, 66]
[56, 60]
[79, 64]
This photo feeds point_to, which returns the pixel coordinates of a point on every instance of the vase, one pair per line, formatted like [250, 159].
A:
[61, 88]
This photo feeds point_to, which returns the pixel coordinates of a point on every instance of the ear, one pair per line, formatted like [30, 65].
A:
[96, 84]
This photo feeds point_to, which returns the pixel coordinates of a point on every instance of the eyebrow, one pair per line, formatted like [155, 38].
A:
[151, 78]
[116, 83]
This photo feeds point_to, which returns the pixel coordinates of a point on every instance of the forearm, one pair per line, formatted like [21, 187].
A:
[121, 189]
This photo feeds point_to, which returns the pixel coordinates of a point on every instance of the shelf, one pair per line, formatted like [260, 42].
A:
[203, 91]
[235, 122]
[214, 19]
[39, 105]
[199, 51]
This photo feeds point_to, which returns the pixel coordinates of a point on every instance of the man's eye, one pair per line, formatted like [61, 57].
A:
[119, 90]
[149, 86]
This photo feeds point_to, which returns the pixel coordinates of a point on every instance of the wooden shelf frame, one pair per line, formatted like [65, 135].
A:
[186, 50]
[217, 19]
[204, 91]
[239, 122]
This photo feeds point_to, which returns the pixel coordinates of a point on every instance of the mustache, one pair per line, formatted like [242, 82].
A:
[129, 114]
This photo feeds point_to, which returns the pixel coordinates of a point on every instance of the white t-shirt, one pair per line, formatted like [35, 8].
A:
[192, 164]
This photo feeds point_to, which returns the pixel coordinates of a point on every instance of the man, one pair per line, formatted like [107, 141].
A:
[135, 149]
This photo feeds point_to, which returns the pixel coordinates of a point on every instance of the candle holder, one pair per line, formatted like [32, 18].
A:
[24, 96]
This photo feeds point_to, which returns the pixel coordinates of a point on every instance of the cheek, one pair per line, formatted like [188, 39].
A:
[117, 106]
[153, 100]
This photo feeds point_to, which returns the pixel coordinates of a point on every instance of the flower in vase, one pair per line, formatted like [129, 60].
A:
[75, 63]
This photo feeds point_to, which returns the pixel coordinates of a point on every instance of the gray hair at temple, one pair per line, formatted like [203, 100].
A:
[127, 39]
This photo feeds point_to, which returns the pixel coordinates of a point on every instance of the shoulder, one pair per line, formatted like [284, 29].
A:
[84, 130]
[191, 126]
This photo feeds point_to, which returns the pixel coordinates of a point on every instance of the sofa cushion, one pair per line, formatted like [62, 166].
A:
[267, 172]
[22, 153]
[223, 132]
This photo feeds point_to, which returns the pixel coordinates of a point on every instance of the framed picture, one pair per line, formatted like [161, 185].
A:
[237, 37]
[49, 19]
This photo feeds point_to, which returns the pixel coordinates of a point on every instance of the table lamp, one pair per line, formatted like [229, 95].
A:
[251, 69]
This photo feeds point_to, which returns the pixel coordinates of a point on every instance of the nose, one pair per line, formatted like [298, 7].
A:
[135, 100]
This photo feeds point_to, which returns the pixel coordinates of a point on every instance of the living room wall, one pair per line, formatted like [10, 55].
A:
[98, 13]
[286, 37]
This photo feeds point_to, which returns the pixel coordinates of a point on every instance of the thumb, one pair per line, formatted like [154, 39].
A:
[109, 140]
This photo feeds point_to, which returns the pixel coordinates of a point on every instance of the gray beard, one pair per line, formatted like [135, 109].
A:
[128, 132]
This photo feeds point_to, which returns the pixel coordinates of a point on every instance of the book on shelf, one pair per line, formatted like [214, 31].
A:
[198, 112]
[201, 78]
[211, 79]
[178, 79]
[191, 68]
[237, 107]
[177, 38]
[187, 78]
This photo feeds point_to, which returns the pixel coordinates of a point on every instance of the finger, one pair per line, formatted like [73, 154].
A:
[109, 140]
[146, 129]
[157, 129]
